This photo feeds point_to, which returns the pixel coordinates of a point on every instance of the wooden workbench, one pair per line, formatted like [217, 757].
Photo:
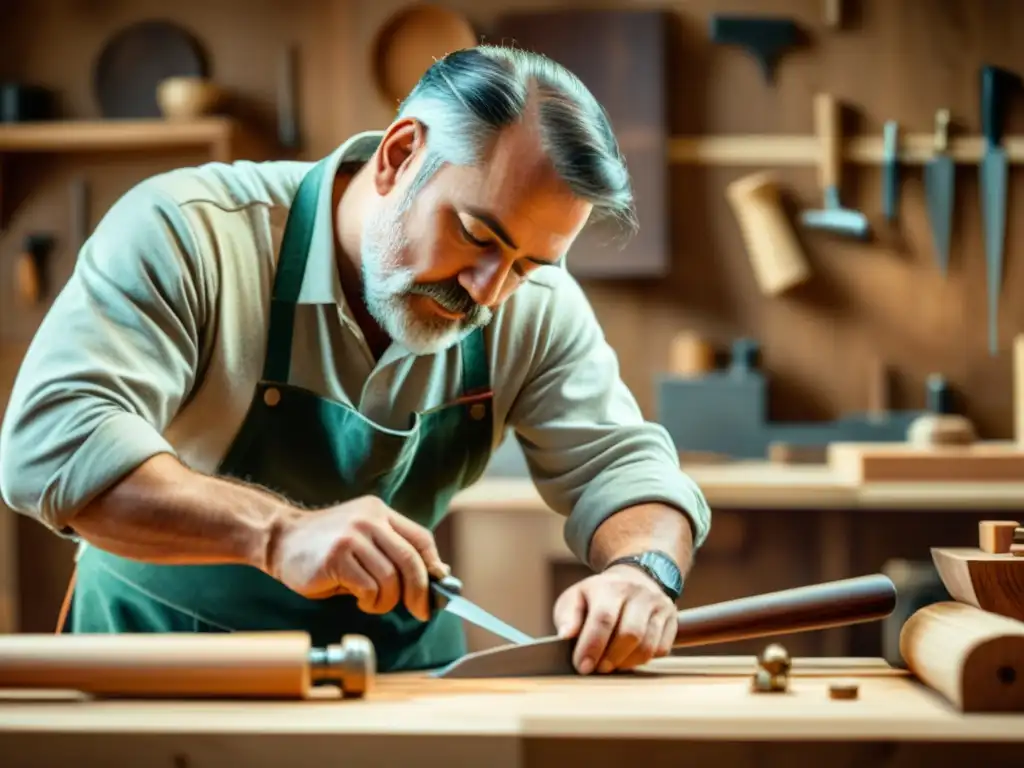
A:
[691, 711]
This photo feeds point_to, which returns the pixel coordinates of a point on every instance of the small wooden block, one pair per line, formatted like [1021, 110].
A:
[784, 453]
[996, 536]
[1017, 550]
[843, 690]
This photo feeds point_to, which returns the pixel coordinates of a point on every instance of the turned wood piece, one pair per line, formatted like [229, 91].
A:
[991, 582]
[937, 429]
[236, 665]
[973, 658]
[775, 254]
[802, 609]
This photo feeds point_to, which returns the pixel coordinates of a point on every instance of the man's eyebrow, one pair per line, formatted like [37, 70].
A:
[490, 221]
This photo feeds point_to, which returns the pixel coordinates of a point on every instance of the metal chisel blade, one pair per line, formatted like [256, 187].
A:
[474, 614]
[993, 201]
[939, 185]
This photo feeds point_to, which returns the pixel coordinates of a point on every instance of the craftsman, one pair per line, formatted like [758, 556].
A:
[264, 382]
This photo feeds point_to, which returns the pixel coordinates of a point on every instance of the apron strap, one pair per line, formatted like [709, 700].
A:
[476, 377]
[291, 268]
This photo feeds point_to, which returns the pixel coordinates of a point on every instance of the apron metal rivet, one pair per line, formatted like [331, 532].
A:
[272, 397]
[477, 411]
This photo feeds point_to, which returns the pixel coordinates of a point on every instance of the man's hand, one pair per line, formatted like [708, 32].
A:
[361, 547]
[621, 617]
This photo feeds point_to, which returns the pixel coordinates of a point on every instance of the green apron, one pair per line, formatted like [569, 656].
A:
[317, 452]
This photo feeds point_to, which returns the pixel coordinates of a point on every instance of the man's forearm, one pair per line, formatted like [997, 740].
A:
[640, 528]
[164, 512]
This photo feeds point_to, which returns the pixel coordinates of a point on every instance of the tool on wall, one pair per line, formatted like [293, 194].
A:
[833, 14]
[775, 254]
[891, 170]
[833, 216]
[32, 267]
[939, 183]
[287, 119]
[997, 84]
[764, 37]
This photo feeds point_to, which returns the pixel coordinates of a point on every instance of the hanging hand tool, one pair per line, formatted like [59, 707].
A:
[891, 170]
[833, 216]
[996, 86]
[448, 597]
[819, 606]
[765, 38]
[939, 183]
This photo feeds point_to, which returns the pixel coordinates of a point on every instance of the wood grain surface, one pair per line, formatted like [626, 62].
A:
[891, 704]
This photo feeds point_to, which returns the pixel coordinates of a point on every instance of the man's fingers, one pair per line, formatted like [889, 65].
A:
[423, 540]
[570, 609]
[383, 573]
[406, 558]
[668, 632]
[630, 632]
[598, 626]
[352, 578]
[651, 645]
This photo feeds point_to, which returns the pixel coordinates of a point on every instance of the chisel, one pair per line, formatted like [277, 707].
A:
[996, 83]
[939, 183]
[890, 172]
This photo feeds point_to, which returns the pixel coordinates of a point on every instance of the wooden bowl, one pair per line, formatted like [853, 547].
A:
[186, 98]
[410, 40]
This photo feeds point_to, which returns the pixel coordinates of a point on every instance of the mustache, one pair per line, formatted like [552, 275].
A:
[450, 295]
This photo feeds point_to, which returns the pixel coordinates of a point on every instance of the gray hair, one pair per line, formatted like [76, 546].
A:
[466, 98]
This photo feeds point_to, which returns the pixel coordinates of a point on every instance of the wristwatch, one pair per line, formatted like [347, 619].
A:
[659, 567]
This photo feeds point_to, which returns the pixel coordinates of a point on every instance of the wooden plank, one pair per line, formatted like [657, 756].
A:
[797, 150]
[988, 462]
[81, 135]
[719, 708]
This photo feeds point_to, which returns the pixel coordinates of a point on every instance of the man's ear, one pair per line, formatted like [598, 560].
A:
[399, 153]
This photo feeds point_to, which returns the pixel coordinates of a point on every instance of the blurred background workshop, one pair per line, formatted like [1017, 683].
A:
[818, 307]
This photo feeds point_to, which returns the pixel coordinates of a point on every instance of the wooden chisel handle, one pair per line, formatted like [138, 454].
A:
[819, 606]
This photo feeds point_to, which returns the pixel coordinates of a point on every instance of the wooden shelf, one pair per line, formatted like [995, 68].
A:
[222, 137]
[790, 150]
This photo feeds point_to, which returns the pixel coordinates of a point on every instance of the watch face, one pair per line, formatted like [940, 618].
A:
[664, 570]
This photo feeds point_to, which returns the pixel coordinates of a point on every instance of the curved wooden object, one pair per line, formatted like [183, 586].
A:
[992, 582]
[975, 659]
[232, 665]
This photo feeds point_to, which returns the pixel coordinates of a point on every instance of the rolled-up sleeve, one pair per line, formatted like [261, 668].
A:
[588, 448]
[109, 366]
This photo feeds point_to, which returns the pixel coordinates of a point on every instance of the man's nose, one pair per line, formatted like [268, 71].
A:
[485, 279]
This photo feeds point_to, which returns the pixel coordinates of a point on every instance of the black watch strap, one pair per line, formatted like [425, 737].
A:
[660, 567]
